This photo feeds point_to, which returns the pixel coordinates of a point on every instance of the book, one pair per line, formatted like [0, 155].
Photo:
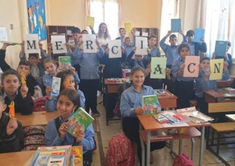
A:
[161, 134]
[161, 119]
[55, 85]
[79, 121]
[228, 90]
[174, 117]
[220, 48]
[64, 62]
[176, 25]
[49, 156]
[12, 43]
[150, 104]
[161, 92]
[199, 33]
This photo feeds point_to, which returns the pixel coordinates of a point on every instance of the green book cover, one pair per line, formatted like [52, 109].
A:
[65, 62]
[150, 104]
[79, 121]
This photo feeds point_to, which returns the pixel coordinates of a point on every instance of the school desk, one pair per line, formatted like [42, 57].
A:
[149, 123]
[230, 116]
[211, 96]
[228, 83]
[36, 118]
[24, 158]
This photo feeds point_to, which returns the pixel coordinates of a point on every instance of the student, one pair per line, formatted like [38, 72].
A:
[89, 74]
[66, 77]
[138, 61]
[128, 46]
[51, 69]
[103, 36]
[183, 85]
[11, 92]
[154, 51]
[194, 46]
[156, 83]
[23, 66]
[37, 69]
[203, 82]
[122, 33]
[84, 31]
[131, 106]
[67, 103]
[227, 57]
[11, 131]
[112, 69]
[170, 50]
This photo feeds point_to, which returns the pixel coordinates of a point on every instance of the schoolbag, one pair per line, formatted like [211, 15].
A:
[121, 89]
[121, 151]
[34, 137]
[183, 160]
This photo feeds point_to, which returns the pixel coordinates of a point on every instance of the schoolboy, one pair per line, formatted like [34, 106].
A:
[195, 47]
[23, 66]
[154, 51]
[122, 33]
[128, 46]
[170, 50]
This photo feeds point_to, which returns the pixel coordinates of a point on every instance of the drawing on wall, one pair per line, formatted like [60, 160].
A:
[37, 18]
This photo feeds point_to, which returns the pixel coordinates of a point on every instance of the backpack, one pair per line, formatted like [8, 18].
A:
[38, 104]
[121, 89]
[183, 160]
[34, 137]
[121, 151]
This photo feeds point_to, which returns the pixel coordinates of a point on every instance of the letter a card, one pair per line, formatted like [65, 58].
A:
[31, 43]
[191, 68]
[216, 66]
[115, 49]
[158, 67]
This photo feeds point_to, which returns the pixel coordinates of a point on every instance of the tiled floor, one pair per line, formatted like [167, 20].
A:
[161, 157]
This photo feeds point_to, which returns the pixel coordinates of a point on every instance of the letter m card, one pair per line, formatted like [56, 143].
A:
[31, 43]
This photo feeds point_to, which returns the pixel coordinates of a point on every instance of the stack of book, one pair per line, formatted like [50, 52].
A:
[161, 92]
[56, 155]
[171, 117]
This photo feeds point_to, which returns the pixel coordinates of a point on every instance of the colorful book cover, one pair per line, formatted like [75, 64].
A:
[150, 104]
[220, 47]
[64, 62]
[79, 121]
[56, 81]
[58, 155]
[176, 25]
[199, 33]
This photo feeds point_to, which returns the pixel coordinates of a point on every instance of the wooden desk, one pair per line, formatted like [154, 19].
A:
[230, 116]
[211, 96]
[36, 118]
[24, 158]
[149, 124]
[227, 83]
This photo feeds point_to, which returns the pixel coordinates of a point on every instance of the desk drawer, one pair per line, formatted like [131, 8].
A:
[168, 103]
[112, 88]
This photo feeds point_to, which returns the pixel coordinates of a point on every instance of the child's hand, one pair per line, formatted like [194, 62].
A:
[107, 50]
[24, 91]
[225, 57]
[169, 33]
[147, 71]
[206, 76]
[200, 68]
[214, 55]
[182, 67]
[80, 136]
[80, 42]
[148, 51]
[40, 45]
[63, 130]
[72, 69]
[123, 49]
[202, 39]
[133, 31]
[181, 32]
[134, 49]
[48, 92]
[139, 111]
[225, 66]
[168, 71]
[11, 126]
[91, 27]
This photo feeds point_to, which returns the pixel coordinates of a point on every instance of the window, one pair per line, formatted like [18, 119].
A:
[105, 11]
[219, 24]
